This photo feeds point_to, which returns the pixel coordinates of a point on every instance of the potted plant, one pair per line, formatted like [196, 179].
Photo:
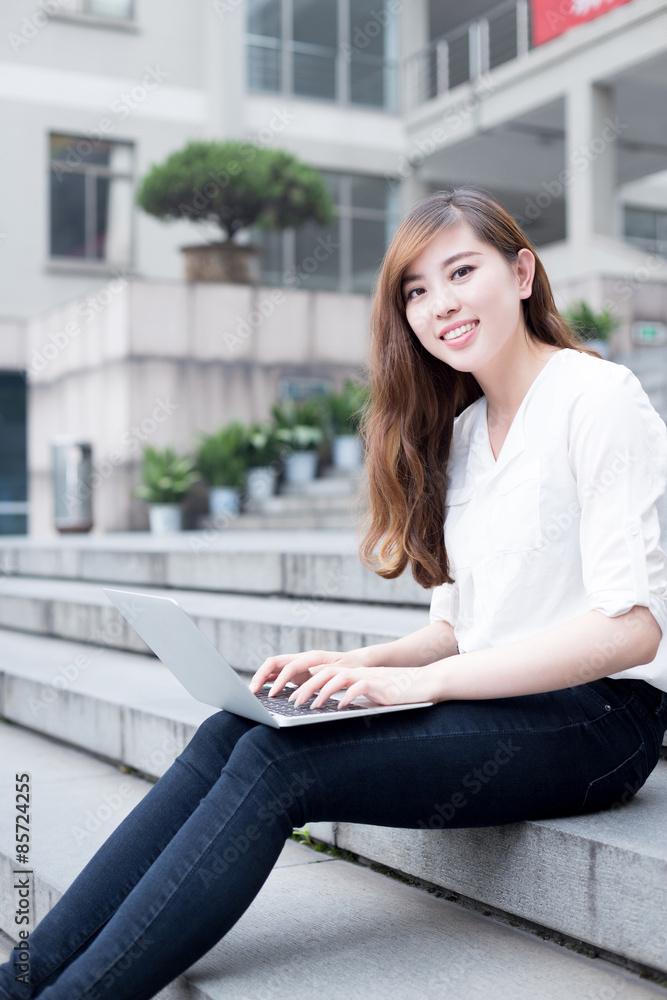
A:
[264, 450]
[221, 463]
[167, 479]
[344, 411]
[234, 185]
[299, 427]
[595, 328]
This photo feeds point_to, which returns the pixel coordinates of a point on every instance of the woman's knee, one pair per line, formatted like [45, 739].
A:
[216, 737]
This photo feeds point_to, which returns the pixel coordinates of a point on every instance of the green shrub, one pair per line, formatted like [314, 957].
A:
[344, 409]
[235, 184]
[588, 324]
[166, 477]
[221, 457]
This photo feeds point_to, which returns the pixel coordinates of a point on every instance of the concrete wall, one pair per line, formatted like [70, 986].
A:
[152, 362]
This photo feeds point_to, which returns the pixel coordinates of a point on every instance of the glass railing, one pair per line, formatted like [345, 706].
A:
[318, 71]
[468, 52]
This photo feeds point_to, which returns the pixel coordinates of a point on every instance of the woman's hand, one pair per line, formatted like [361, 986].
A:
[383, 685]
[297, 667]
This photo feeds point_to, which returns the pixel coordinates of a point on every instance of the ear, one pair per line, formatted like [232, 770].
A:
[525, 271]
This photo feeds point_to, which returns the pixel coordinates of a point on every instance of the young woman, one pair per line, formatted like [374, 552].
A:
[546, 465]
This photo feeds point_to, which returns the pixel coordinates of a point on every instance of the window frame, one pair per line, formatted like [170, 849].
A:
[347, 214]
[287, 47]
[91, 172]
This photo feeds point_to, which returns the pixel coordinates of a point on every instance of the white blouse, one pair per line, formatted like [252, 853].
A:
[566, 521]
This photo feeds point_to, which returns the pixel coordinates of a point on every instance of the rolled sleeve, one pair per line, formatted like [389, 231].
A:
[618, 455]
[445, 604]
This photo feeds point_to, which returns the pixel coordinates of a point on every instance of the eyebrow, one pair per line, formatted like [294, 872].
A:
[445, 263]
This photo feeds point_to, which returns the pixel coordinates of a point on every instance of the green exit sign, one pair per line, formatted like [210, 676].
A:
[649, 333]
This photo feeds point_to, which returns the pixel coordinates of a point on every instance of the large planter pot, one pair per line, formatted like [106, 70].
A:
[227, 262]
[164, 518]
[261, 482]
[224, 500]
[300, 467]
[346, 451]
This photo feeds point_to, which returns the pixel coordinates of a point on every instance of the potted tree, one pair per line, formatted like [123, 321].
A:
[264, 450]
[167, 479]
[234, 185]
[299, 427]
[595, 328]
[344, 411]
[221, 463]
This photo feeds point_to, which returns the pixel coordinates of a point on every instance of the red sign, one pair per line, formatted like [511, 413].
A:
[551, 18]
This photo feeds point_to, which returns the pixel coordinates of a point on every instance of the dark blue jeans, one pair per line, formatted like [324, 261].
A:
[180, 870]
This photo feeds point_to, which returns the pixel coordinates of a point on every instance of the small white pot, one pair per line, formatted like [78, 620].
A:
[300, 466]
[224, 500]
[346, 451]
[261, 482]
[164, 518]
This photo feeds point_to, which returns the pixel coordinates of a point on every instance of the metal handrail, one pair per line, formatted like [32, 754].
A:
[466, 53]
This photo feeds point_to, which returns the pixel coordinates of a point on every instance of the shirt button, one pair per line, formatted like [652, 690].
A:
[634, 529]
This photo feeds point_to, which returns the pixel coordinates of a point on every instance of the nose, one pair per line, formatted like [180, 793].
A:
[445, 302]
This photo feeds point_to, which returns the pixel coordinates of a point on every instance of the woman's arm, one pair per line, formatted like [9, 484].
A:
[434, 642]
[575, 652]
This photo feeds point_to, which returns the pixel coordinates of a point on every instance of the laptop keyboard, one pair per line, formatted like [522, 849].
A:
[280, 704]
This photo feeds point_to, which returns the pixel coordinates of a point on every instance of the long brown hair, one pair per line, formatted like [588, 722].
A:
[414, 397]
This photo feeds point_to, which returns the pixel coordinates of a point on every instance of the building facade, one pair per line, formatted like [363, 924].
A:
[558, 109]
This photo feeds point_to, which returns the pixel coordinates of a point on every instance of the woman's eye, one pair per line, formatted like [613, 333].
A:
[413, 293]
[464, 267]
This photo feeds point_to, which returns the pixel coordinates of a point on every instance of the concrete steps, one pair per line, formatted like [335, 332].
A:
[446, 949]
[321, 564]
[246, 628]
[71, 669]
[601, 879]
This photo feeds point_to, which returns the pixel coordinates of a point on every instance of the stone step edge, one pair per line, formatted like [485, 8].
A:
[578, 945]
[291, 565]
[398, 852]
[81, 612]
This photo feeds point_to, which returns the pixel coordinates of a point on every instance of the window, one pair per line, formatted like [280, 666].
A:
[120, 10]
[91, 199]
[646, 228]
[344, 255]
[13, 454]
[335, 50]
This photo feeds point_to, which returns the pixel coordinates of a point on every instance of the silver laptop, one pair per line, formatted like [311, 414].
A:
[203, 671]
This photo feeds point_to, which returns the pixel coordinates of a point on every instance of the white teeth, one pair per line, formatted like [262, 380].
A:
[459, 331]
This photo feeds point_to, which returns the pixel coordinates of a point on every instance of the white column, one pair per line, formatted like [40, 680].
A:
[592, 132]
[224, 25]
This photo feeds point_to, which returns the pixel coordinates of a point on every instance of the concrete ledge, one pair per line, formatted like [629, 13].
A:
[246, 628]
[281, 562]
[601, 878]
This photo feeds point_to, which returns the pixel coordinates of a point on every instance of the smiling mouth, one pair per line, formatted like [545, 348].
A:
[460, 331]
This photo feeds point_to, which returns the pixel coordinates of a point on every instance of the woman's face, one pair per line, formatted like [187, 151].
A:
[463, 299]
